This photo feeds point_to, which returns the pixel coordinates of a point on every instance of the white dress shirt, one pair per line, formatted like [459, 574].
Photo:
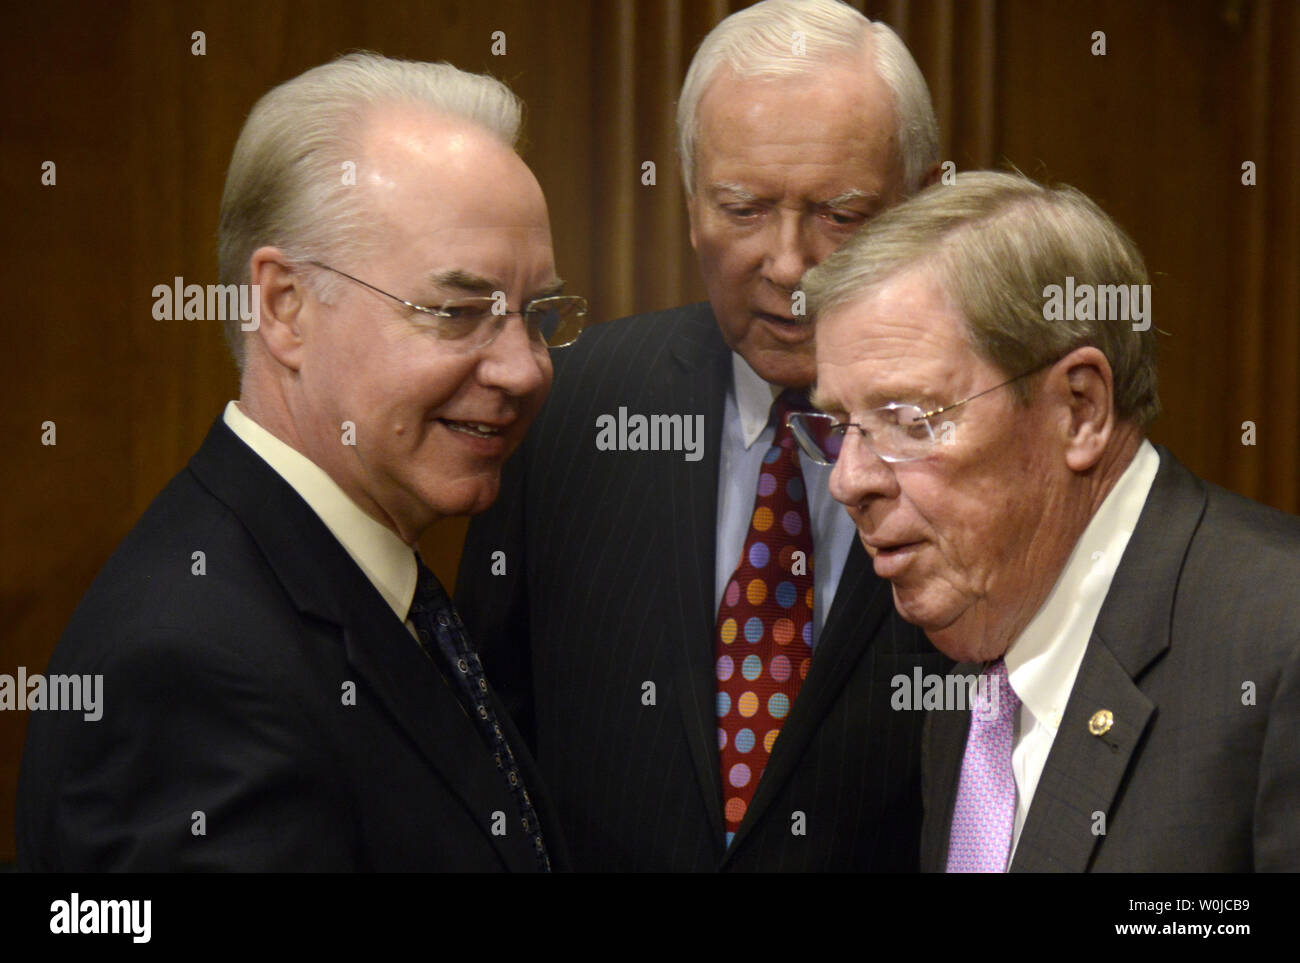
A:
[1044, 659]
[379, 552]
[746, 438]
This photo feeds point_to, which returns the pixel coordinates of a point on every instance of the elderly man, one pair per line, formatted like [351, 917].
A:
[680, 590]
[1138, 692]
[286, 686]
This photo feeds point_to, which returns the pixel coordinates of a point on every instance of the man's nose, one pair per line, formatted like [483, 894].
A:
[791, 251]
[515, 362]
[860, 475]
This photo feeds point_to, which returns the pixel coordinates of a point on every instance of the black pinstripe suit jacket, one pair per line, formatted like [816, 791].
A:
[1196, 653]
[608, 597]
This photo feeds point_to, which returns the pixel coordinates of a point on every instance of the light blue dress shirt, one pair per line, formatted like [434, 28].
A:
[746, 438]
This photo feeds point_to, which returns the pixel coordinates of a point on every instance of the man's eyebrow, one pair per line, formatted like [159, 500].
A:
[549, 290]
[849, 196]
[465, 281]
[735, 190]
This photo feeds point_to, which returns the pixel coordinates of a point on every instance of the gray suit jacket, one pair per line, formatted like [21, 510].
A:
[1196, 652]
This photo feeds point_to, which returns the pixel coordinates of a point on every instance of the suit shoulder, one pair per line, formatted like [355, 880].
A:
[637, 341]
[1251, 535]
[189, 572]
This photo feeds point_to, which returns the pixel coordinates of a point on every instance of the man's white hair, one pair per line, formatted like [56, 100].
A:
[799, 38]
[286, 185]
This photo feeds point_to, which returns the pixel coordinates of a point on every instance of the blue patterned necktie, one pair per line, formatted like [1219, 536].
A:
[443, 638]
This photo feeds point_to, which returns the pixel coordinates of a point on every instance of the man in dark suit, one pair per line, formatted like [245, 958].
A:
[985, 361]
[285, 686]
[665, 589]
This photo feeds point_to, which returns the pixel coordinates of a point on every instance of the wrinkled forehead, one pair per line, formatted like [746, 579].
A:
[901, 341]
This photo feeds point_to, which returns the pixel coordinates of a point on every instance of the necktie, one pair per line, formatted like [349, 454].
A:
[443, 638]
[763, 635]
[985, 812]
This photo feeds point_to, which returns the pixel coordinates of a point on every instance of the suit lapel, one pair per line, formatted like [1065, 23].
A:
[943, 745]
[1084, 772]
[324, 583]
[697, 385]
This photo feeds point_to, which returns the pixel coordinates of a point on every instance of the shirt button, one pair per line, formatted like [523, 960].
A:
[514, 778]
[482, 712]
[482, 684]
[443, 620]
[463, 665]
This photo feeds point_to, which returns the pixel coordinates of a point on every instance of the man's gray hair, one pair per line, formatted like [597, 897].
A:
[800, 38]
[287, 183]
[994, 243]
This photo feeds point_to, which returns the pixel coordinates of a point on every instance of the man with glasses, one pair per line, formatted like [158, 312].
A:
[696, 638]
[286, 685]
[1135, 631]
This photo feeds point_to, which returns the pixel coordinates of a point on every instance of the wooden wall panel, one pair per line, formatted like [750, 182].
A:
[141, 131]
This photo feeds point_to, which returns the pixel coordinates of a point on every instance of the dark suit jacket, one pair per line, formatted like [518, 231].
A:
[1204, 611]
[224, 695]
[610, 577]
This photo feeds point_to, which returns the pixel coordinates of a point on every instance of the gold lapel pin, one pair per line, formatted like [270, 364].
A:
[1101, 722]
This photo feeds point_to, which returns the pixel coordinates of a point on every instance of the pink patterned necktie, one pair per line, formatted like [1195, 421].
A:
[985, 813]
[763, 635]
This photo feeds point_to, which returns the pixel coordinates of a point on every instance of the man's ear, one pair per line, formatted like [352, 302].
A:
[280, 295]
[1086, 387]
[690, 219]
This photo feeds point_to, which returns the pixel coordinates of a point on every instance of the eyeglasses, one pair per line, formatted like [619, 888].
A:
[896, 433]
[467, 324]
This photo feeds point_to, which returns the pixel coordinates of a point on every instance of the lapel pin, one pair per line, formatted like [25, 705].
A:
[1101, 722]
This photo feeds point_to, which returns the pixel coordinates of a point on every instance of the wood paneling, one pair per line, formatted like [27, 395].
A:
[141, 131]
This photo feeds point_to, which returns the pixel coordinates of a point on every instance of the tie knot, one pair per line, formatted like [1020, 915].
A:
[791, 399]
[994, 701]
[429, 592]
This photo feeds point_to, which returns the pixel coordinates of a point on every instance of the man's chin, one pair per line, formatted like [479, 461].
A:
[781, 365]
[940, 626]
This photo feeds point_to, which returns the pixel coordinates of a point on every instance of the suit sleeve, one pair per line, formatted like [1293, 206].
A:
[1277, 804]
[201, 762]
[492, 595]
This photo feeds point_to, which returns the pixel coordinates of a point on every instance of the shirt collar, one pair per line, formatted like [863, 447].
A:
[754, 398]
[379, 552]
[1044, 660]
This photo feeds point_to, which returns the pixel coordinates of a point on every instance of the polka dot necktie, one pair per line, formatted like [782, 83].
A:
[985, 812]
[763, 636]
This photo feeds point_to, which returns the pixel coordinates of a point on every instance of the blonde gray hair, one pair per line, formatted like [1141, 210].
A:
[286, 186]
[759, 41]
[994, 242]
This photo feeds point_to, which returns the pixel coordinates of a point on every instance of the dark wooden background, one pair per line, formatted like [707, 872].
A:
[141, 130]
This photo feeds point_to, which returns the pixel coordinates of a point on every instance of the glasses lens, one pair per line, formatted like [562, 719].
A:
[818, 435]
[467, 321]
[559, 321]
[902, 432]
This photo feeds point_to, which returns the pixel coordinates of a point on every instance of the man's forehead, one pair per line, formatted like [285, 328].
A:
[895, 339]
